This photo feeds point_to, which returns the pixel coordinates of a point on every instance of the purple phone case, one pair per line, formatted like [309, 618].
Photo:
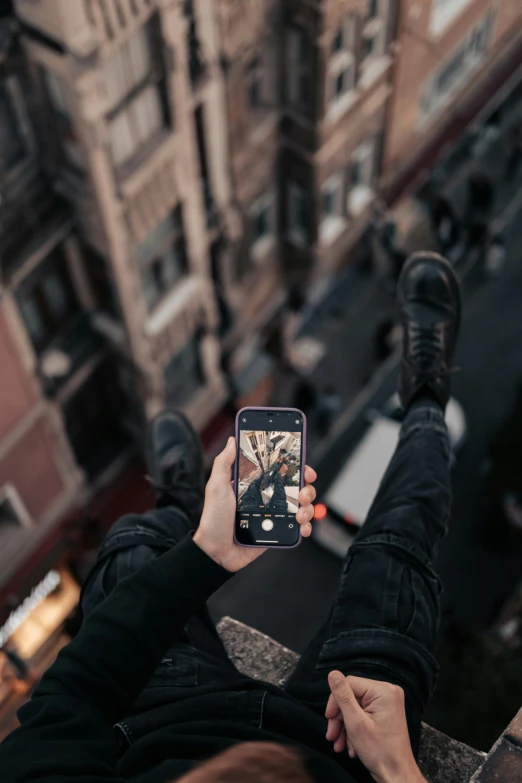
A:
[236, 465]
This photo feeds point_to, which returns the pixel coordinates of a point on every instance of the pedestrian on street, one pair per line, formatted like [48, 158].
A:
[479, 209]
[514, 155]
[328, 407]
[305, 396]
[495, 258]
[445, 224]
[146, 691]
[387, 336]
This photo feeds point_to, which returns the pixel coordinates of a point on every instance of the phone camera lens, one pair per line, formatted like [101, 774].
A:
[243, 420]
[298, 421]
[270, 421]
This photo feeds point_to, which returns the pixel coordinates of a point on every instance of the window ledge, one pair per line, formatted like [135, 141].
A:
[359, 198]
[179, 297]
[340, 106]
[161, 138]
[330, 228]
[372, 69]
[262, 247]
[443, 15]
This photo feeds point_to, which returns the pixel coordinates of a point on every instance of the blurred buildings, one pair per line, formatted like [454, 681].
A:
[172, 172]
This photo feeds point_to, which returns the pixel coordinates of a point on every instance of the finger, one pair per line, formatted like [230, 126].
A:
[346, 699]
[307, 495]
[332, 708]
[305, 514]
[351, 750]
[309, 474]
[335, 727]
[340, 742]
[224, 461]
[306, 530]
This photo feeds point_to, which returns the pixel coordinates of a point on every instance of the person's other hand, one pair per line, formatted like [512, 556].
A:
[369, 719]
[215, 534]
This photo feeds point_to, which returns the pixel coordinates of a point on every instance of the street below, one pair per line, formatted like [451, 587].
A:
[287, 594]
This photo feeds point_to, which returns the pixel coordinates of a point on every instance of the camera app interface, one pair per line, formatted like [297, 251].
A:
[269, 475]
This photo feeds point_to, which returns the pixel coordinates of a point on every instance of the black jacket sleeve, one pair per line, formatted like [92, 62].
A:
[66, 729]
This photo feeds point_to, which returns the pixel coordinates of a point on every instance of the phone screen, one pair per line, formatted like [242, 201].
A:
[269, 476]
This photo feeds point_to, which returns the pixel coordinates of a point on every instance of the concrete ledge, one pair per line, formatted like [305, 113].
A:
[442, 760]
[504, 760]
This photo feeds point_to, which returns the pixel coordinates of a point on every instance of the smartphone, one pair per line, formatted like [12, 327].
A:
[268, 475]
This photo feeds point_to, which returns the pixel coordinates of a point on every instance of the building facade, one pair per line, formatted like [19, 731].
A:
[451, 57]
[39, 478]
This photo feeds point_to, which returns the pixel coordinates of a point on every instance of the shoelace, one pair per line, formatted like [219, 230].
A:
[427, 351]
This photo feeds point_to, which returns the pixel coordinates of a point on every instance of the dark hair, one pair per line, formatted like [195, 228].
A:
[255, 762]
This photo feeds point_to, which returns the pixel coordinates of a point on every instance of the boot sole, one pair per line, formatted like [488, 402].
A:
[443, 264]
[196, 440]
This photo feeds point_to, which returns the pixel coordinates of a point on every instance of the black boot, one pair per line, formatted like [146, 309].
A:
[429, 300]
[175, 464]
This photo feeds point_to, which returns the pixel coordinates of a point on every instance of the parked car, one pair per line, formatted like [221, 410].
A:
[345, 505]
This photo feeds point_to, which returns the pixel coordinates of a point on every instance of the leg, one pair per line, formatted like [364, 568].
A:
[252, 498]
[384, 621]
[175, 465]
[278, 501]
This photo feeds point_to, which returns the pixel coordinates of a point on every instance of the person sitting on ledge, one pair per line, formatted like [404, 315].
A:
[146, 691]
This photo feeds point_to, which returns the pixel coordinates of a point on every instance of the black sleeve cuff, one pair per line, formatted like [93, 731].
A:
[188, 566]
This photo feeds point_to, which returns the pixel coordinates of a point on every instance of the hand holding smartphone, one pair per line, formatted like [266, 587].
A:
[269, 472]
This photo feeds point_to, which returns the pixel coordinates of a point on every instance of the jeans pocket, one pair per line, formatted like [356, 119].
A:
[179, 670]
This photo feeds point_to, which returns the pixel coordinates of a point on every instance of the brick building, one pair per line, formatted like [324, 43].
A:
[179, 166]
[170, 172]
[451, 57]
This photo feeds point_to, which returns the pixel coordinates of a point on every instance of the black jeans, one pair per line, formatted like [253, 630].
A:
[383, 623]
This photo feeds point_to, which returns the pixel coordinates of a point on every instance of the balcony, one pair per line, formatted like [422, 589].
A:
[30, 219]
[69, 351]
[150, 192]
[81, 25]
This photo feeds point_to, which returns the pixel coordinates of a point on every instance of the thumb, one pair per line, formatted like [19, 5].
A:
[345, 698]
[224, 461]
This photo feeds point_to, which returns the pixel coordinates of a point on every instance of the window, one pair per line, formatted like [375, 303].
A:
[162, 259]
[136, 123]
[341, 66]
[373, 39]
[99, 273]
[300, 55]
[343, 81]
[298, 205]
[135, 94]
[47, 301]
[183, 374]
[262, 217]
[12, 143]
[69, 142]
[373, 42]
[13, 512]
[361, 176]
[454, 72]
[331, 195]
[333, 220]
[254, 83]
[338, 41]
[373, 8]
